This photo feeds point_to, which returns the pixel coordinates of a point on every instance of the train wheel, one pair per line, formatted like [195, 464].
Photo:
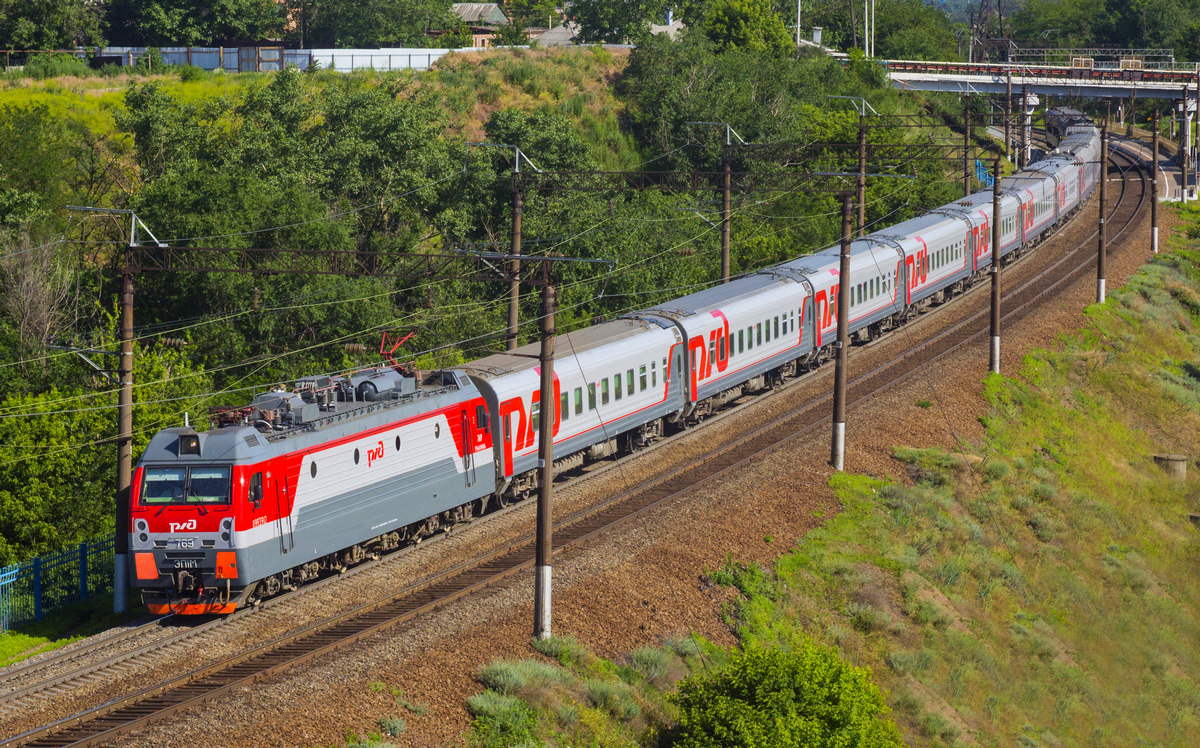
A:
[269, 586]
[503, 499]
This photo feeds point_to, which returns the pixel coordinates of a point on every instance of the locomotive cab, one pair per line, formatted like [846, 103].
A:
[187, 494]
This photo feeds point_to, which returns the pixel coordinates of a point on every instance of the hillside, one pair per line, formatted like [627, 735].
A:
[1027, 580]
[373, 163]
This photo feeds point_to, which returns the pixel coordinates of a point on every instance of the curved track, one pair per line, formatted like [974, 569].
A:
[159, 701]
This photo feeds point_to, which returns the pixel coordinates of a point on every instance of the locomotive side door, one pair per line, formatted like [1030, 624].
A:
[468, 441]
[283, 515]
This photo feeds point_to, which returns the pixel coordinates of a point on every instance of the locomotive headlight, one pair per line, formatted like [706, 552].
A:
[142, 529]
[226, 529]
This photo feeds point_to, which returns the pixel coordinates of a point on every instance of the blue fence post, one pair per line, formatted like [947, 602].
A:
[83, 570]
[37, 588]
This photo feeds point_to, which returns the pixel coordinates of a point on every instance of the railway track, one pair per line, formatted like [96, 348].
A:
[161, 700]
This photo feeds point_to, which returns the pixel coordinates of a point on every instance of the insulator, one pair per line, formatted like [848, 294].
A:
[685, 251]
[176, 343]
[256, 299]
[354, 348]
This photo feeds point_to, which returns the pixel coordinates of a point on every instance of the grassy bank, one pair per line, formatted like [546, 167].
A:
[1037, 589]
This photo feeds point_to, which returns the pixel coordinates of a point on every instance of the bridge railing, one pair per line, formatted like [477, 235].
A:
[1048, 73]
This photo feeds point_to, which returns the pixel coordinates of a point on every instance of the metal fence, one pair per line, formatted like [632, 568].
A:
[250, 59]
[32, 588]
[983, 175]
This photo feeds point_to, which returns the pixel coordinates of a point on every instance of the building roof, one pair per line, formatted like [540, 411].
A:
[559, 36]
[672, 29]
[480, 13]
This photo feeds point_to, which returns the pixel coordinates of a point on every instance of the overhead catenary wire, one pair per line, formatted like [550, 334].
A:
[626, 268]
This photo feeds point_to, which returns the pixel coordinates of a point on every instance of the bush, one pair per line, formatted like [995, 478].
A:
[392, 726]
[651, 662]
[508, 677]
[564, 649]
[614, 697]
[189, 73]
[500, 720]
[52, 66]
[779, 698]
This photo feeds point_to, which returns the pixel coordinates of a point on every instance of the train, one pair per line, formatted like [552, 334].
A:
[332, 470]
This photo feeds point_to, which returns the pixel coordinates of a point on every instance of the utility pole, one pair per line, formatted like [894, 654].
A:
[546, 420]
[124, 409]
[514, 271]
[838, 451]
[1026, 145]
[862, 175]
[797, 24]
[1008, 117]
[995, 269]
[124, 435]
[1185, 143]
[1154, 184]
[967, 145]
[514, 265]
[725, 215]
[1100, 248]
[726, 174]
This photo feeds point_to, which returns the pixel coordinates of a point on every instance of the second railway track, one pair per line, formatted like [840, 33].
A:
[105, 722]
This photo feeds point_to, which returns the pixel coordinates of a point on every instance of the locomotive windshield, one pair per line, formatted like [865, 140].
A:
[185, 485]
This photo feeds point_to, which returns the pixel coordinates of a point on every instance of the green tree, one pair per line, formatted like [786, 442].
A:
[774, 698]
[57, 459]
[746, 24]
[531, 12]
[616, 21]
[194, 22]
[50, 24]
[369, 23]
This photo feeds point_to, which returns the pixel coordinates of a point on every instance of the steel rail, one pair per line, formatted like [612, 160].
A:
[158, 701]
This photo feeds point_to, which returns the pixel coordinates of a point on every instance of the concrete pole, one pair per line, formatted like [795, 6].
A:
[797, 23]
[862, 177]
[514, 270]
[1154, 185]
[124, 436]
[1027, 133]
[838, 451]
[725, 216]
[995, 269]
[1103, 240]
[1008, 154]
[547, 406]
[1195, 151]
[967, 145]
[1185, 143]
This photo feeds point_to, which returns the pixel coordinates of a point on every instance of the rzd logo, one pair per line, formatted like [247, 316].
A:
[375, 453]
[189, 525]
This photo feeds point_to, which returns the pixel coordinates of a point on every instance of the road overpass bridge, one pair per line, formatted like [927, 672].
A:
[1056, 80]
